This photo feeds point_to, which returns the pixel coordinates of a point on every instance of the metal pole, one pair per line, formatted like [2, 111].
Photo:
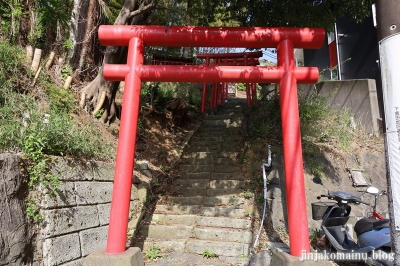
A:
[338, 54]
[116, 242]
[388, 29]
[292, 152]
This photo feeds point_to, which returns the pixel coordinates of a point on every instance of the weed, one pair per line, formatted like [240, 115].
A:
[248, 213]
[314, 236]
[153, 253]
[99, 113]
[66, 71]
[248, 194]
[260, 198]
[207, 254]
[33, 211]
[243, 256]
[282, 231]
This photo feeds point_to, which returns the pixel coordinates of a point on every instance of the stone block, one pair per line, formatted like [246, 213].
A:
[220, 248]
[66, 196]
[104, 213]
[93, 192]
[134, 192]
[103, 171]
[197, 168]
[261, 258]
[61, 249]
[223, 222]
[131, 257]
[93, 239]
[142, 193]
[217, 234]
[285, 259]
[63, 221]
[68, 170]
[229, 169]
[166, 231]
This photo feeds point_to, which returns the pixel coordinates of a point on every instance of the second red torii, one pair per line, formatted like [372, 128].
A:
[229, 59]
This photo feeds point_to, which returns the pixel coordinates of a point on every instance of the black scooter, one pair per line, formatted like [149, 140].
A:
[374, 243]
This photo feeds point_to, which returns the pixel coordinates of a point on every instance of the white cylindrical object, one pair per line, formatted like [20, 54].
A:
[29, 53]
[50, 61]
[68, 82]
[390, 67]
[36, 59]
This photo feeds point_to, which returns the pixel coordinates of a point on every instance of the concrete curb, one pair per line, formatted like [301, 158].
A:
[179, 150]
[131, 257]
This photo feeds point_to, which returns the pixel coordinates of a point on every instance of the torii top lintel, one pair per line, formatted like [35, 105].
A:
[192, 36]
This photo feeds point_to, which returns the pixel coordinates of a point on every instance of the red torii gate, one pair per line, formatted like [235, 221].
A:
[229, 59]
[134, 72]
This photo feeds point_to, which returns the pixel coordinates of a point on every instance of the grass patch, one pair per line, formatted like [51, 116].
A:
[209, 255]
[153, 253]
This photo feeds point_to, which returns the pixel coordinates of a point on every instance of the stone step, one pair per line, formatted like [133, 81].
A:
[217, 148]
[235, 201]
[173, 219]
[200, 155]
[223, 212]
[216, 138]
[219, 234]
[217, 131]
[196, 168]
[203, 143]
[184, 191]
[166, 231]
[223, 222]
[213, 175]
[197, 183]
[229, 249]
[201, 221]
[226, 184]
[211, 192]
[206, 183]
[166, 246]
[227, 169]
[222, 116]
[228, 123]
[215, 154]
[177, 209]
[222, 161]
[226, 176]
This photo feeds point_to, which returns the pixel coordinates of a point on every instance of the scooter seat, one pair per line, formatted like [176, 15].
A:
[367, 224]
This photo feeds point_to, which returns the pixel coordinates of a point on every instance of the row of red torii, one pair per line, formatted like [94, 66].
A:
[285, 73]
[219, 90]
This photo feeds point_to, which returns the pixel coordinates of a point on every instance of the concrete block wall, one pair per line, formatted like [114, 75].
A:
[76, 220]
[359, 97]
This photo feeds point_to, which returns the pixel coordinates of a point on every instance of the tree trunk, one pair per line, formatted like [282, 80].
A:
[93, 94]
[88, 37]
[23, 31]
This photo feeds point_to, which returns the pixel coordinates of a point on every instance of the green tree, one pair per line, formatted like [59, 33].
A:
[289, 13]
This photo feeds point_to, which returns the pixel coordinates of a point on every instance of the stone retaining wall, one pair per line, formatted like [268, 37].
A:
[358, 97]
[76, 220]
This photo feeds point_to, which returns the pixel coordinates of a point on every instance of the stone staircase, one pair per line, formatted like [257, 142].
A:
[205, 208]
